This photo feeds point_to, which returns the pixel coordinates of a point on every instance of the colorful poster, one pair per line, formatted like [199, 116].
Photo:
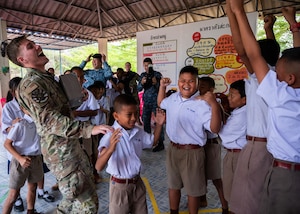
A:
[206, 45]
[163, 55]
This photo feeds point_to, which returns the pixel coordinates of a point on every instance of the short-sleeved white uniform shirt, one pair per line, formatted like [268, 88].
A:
[283, 117]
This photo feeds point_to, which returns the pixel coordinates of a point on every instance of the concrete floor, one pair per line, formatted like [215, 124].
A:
[153, 174]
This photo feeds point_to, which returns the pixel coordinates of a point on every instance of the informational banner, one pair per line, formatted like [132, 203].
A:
[206, 45]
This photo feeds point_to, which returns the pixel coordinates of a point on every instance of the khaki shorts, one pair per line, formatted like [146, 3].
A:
[212, 161]
[185, 168]
[18, 175]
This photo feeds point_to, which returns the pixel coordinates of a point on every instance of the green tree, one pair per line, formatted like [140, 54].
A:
[282, 32]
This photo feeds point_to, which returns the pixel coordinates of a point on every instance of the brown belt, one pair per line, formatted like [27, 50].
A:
[32, 156]
[259, 139]
[126, 181]
[233, 150]
[212, 140]
[285, 165]
[185, 146]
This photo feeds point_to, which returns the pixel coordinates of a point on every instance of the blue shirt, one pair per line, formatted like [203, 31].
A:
[92, 75]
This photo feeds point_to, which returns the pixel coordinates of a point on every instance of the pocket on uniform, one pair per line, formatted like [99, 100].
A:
[72, 185]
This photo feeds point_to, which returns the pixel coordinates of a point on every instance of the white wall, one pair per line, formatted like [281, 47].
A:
[206, 45]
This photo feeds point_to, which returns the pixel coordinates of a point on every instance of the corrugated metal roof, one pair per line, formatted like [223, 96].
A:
[61, 24]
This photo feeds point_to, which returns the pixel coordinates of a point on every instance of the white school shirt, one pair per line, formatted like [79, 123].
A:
[25, 139]
[100, 118]
[187, 119]
[283, 117]
[257, 109]
[90, 104]
[11, 110]
[125, 161]
[233, 133]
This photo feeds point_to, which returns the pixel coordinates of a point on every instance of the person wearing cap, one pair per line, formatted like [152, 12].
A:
[101, 72]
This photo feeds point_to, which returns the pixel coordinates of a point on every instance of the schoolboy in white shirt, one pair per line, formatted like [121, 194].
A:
[11, 114]
[254, 160]
[212, 150]
[233, 133]
[188, 118]
[98, 90]
[27, 163]
[281, 91]
[121, 151]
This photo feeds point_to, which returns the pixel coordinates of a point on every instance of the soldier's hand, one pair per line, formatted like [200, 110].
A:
[102, 129]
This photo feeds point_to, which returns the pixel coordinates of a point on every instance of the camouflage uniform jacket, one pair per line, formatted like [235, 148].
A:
[47, 104]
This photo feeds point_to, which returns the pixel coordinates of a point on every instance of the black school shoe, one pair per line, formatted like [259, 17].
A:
[19, 207]
[47, 197]
[160, 146]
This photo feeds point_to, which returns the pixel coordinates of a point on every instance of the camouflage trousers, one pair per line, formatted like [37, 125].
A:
[79, 192]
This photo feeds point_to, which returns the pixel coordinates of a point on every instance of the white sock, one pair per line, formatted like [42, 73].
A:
[40, 191]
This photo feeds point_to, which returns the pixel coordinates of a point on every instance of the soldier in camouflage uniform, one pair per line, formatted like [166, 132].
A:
[47, 104]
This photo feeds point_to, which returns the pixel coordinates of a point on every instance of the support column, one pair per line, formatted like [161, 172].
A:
[102, 46]
[4, 78]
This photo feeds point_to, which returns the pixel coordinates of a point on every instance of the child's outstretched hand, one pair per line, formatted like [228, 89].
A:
[114, 139]
[160, 117]
[289, 14]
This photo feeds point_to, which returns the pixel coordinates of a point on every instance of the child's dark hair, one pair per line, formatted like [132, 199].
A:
[240, 86]
[12, 49]
[13, 85]
[97, 85]
[291, 55]
[123, 99]
[148, 60]
[189, 69]
[76, 68]
[209, 80]
[270, 50]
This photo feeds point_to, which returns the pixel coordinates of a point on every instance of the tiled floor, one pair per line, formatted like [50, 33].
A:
[153, 174]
